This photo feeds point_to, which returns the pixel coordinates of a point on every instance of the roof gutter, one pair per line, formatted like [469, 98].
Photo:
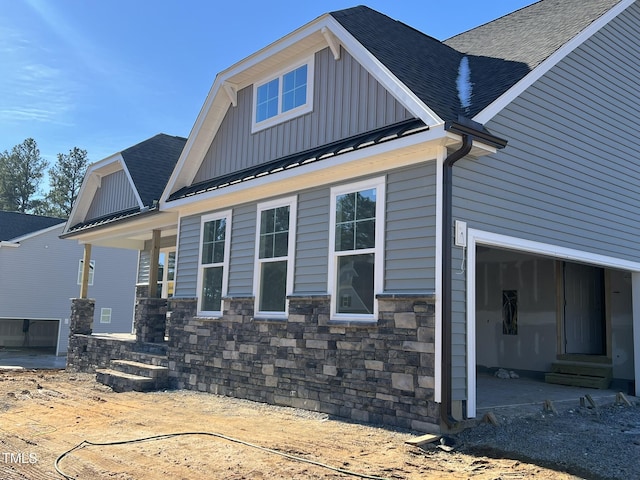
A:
[469, 131]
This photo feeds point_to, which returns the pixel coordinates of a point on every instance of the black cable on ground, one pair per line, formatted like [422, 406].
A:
[85, 443]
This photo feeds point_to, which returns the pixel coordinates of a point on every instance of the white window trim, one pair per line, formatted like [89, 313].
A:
[294, 112]
[164, 281]
[225, 264]
[378, 281]
[105, 313]
[92, 268]
[292, 203]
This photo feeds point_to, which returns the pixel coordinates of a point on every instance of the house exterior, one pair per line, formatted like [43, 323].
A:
[365, 217]
[36, 263]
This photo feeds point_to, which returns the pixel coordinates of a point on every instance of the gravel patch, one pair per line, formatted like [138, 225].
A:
[592, 443]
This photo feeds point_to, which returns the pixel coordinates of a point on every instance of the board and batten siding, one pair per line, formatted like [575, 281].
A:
[411, 230]
[347, 101]
[312, 242]
[114, 195]
[187, 257]
[243, 245]
[569, 175]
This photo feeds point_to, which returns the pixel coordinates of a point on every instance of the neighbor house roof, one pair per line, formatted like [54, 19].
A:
[15, 224]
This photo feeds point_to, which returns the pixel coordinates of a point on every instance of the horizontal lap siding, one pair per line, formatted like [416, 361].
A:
[347, 101]
[114, 195]
[570, 174]
[410, 230]
[187, 260]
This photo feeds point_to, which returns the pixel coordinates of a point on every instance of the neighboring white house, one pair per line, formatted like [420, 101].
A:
[39, 273]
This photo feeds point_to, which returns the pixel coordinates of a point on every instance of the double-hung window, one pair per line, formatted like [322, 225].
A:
[356, 249]
[283, 96]
[275, 246]
[215, 236]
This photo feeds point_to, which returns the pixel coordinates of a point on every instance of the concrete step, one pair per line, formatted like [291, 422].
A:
[157, 372]
[125, 382]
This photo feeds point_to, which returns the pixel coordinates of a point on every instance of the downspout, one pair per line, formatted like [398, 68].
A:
[447, 261]
[469, 131]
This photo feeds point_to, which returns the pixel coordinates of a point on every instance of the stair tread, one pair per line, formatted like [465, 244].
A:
[582, 364]
[129, 376]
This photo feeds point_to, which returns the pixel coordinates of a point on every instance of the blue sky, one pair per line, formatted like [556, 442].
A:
[104, 75]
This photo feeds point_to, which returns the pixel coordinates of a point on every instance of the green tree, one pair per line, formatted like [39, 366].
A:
[65, 180]
[21, 171]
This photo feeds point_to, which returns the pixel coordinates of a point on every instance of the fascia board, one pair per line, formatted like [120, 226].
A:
[218, 102]
[131, 183]
[6, 243]
[89, 186]
[383, 75]
[128, 232]
[206, 125]
[514, 92]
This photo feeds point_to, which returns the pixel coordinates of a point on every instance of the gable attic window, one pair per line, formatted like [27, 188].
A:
[284, 96]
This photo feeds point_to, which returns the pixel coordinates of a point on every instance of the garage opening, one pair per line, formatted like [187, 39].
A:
[33, 335]
[543, 323]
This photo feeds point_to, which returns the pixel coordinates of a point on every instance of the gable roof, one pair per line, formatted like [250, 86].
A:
[531, 34]
[428, 76]
[429, 67]
[150, 164]
[542, 33]
[15, 224]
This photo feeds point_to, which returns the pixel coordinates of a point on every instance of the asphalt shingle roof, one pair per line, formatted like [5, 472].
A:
[15, 224]
[150, 164]
[500, 53]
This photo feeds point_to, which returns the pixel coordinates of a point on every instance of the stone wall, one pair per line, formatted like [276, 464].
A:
[88, 352]
[150, 319]
[378, 372]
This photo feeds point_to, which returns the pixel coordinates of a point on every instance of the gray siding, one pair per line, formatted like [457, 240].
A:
[187, 260]
[312, 243]
[409, 245]
[243, 238]
[347, 101]
[410, 230]
[569, 175]
[115, 194]
[39, 277]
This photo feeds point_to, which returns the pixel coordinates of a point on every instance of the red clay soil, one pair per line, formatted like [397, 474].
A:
[44, 414]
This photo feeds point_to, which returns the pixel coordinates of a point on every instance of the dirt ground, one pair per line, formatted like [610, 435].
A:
[44, 414]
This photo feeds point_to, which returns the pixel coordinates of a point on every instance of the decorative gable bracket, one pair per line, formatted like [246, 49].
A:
[333, 42]
[232, 92]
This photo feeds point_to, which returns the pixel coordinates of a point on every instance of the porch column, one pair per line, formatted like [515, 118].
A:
[153, 264]
[635, 286]
[86, 268]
